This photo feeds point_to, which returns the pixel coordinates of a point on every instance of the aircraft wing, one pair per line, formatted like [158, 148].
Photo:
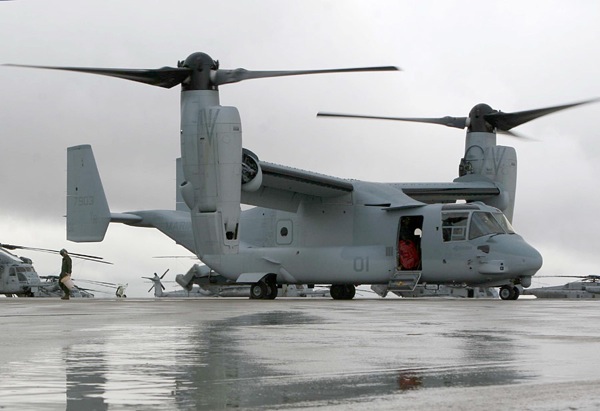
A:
[283, 187]
[449, 192]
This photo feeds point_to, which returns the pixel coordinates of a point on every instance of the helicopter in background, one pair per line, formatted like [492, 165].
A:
[587, 287]
[307, 228]
[18, 277]
[195, 284]
[51, 288]
[201, 281]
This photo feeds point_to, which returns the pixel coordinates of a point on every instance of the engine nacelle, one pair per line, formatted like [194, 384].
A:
[211, 147]
[251, 171]
[194, 274]
[185, 281]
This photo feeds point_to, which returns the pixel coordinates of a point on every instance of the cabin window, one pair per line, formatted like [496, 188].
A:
[484, 224]
[454, 226]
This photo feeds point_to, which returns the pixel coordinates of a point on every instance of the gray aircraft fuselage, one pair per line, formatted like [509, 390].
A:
[345, 243]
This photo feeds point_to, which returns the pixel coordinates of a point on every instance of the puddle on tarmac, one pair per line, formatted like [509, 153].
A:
[205, 366]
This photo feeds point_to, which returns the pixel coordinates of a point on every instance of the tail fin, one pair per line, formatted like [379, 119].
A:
[88, 214]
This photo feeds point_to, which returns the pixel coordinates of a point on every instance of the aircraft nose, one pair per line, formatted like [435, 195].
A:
[532, 260]
[516, 254]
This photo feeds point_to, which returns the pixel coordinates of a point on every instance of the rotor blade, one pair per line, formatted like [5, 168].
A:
[93, 259]
[456, 122]
[176, 256]
[165, 273]
[166, 77]
[567, 276]
[240, 74]
[102, 283]
[89, 289]
[506, 121]
[516, 135]
[163, 287]
[151, 287]
[46, 250]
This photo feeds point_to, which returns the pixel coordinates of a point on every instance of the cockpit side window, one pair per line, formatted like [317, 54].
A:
[454, 226]
[483, 224]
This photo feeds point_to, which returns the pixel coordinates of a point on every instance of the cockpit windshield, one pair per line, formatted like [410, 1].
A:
[7, 257]
[478, 223]
[483, 223]
[501, 218]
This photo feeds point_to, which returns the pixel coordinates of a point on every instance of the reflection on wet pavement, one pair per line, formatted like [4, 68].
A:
[269, 356]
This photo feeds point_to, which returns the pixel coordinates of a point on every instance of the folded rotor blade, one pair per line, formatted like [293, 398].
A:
[47, 250]
[240, 74]
[456, 122]
[506, 121]
[166, 77]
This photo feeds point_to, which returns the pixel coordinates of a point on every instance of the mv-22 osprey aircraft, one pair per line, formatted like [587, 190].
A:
[309, 228]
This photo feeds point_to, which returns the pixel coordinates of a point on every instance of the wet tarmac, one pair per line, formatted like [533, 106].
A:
[208, 354]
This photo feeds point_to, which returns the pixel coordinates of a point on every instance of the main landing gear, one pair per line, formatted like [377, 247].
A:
[509, 292]
[263, 290]
[342, 291]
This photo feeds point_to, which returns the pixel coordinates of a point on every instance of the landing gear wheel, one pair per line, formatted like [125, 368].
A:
[337, 291]
[349, 292]
[508, 292]
[258, 290]
[272, 293]
[342, 291]
[516, 293]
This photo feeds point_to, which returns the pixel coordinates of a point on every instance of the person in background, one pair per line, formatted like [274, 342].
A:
[65, 270]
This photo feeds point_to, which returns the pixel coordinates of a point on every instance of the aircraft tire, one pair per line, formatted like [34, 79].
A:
[516, 293]
[272, 293]
[258, 290]
[336, 291]
[508, 293]
[342, 291]
[349, 292]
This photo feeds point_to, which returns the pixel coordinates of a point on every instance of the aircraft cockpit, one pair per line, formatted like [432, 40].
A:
[8, 258]
[469, 221]
[17, 275]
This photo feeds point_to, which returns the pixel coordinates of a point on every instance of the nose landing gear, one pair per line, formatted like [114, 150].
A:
[509, 292]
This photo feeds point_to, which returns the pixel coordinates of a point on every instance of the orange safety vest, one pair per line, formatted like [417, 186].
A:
[409, 255]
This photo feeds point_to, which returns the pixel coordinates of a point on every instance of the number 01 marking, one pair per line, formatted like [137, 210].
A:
[361, 264]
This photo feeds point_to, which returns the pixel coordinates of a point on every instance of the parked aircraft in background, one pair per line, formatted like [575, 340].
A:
[587, 287]
[18, 277]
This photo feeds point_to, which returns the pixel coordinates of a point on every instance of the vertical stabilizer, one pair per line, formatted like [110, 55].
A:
[88, 214]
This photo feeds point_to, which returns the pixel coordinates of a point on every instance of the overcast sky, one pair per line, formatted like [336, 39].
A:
[512, 55]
